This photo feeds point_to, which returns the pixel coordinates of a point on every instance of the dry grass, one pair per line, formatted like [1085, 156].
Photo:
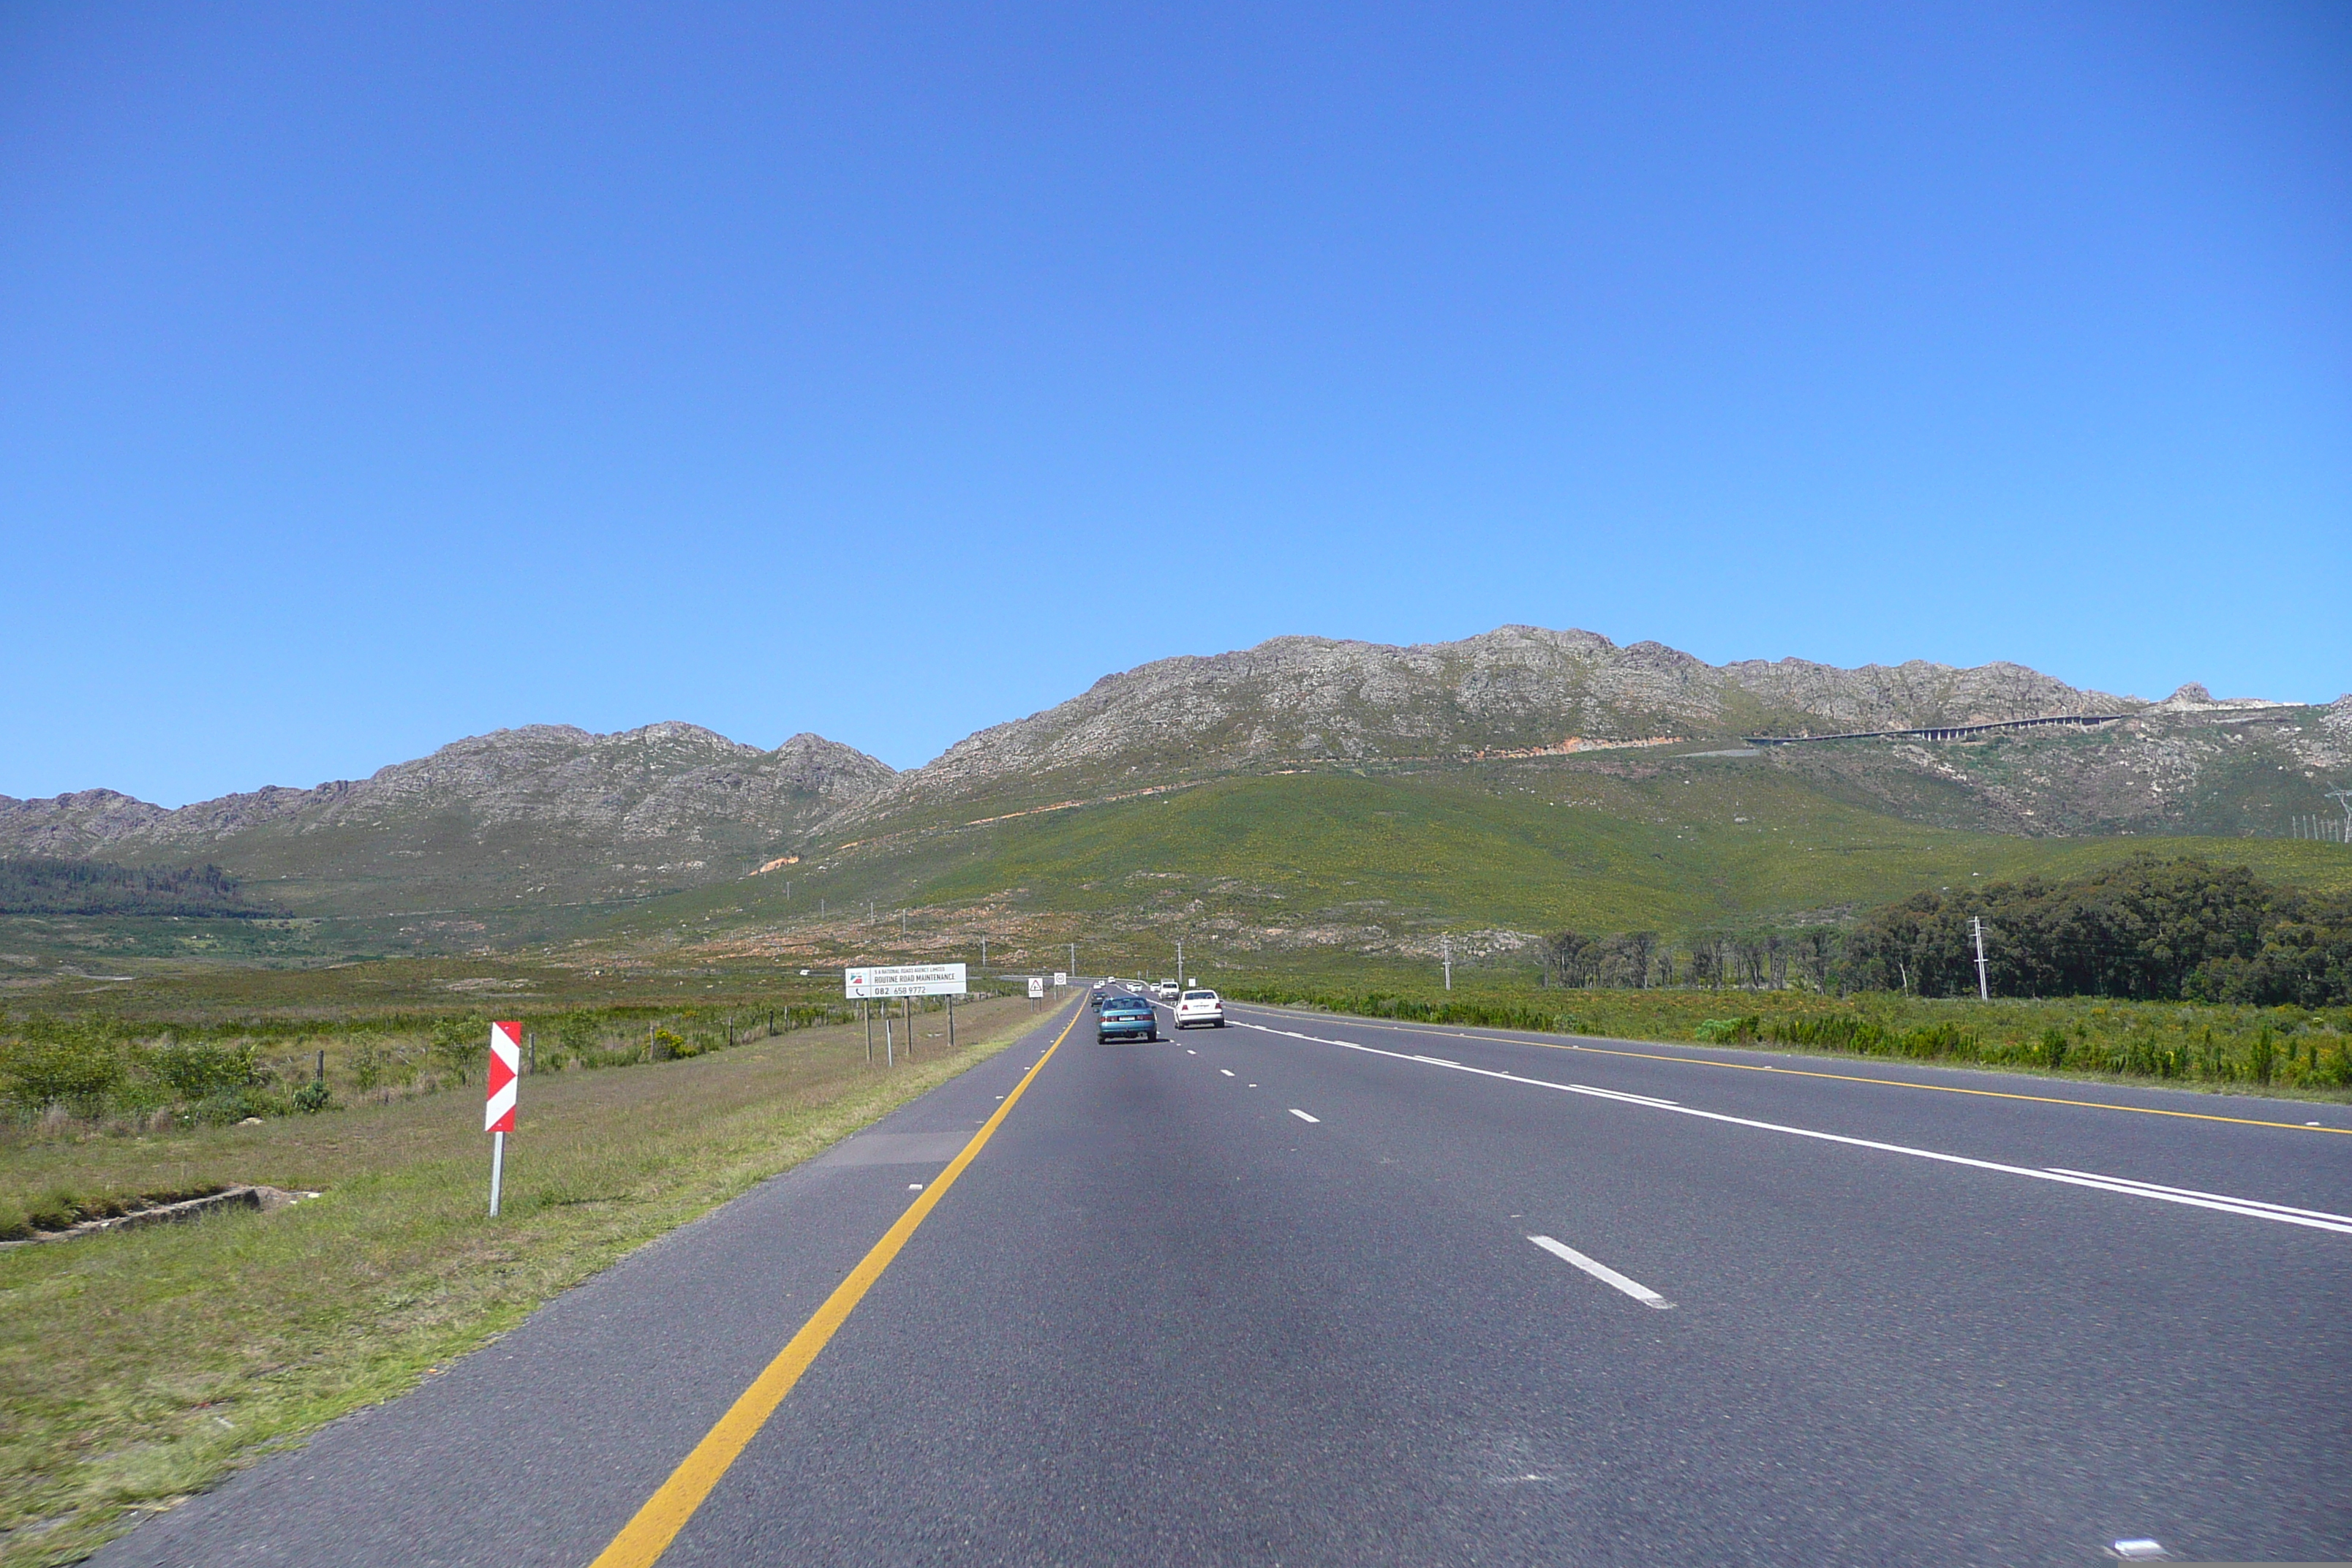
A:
[138, 1366]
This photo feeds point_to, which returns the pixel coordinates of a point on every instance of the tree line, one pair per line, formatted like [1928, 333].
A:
[1760, 959]
[34, 885]
[2151, 929]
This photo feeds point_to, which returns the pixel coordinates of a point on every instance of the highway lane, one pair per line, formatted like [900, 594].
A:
[537, 1450]
[1166, 1317]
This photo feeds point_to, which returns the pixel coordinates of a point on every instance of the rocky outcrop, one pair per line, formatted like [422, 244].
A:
[1514, 689]
[669, 798]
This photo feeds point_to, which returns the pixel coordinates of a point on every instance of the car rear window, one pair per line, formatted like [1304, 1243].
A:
[1200, 995]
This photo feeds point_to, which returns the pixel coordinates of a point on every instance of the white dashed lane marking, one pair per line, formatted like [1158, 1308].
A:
[1603, 1272]
[1302, 1116]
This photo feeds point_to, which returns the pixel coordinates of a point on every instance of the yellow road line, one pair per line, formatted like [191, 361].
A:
[1842, 1077]
[645, 1537]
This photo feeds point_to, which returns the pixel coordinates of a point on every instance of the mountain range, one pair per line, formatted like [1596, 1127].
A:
[548, 817]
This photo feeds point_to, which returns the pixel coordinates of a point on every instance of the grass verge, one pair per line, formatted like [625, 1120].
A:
[139, 1366]
[2288, 1052]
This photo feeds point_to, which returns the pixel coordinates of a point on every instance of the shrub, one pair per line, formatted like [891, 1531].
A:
[460, 1045]
[234, 1105]
[198, 1070]
[79, 1069]
[2261, 1057]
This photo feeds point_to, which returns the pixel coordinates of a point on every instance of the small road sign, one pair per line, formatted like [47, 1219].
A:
[1061, 977]
[505, 1062]
[1036, 988]
[904, 980]
[499, 1112]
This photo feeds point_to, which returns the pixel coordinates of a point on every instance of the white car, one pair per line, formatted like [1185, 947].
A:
[1200, 1007]
[1165, 991]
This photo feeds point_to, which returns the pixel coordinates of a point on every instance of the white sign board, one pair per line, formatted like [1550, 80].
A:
[1036, 988]
[1061, 977]
[904, 980]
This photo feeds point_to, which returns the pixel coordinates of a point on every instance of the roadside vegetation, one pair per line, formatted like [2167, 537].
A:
[2277, 1050]
[75, 1079]
[137, 1366]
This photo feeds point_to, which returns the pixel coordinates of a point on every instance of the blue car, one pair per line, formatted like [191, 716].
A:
[1126, 1018]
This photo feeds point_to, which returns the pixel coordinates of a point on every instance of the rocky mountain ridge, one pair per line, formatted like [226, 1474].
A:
[546, 807]
[1515, 688]
[554, 814]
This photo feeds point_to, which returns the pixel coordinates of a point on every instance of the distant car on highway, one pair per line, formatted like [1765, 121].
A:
[1166, 990]
[1126, 1018]
[1195, 1007]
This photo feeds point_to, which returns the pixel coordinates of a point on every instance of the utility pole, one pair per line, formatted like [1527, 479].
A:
[1074, 958]
[1984, 986]
[1180, 963]
[983, 955]
[902, 924]
[1445, 948]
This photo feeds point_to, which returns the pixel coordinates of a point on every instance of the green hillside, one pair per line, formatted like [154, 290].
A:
[1531, 845]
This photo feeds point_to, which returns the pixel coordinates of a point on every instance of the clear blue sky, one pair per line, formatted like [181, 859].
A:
[372, 376]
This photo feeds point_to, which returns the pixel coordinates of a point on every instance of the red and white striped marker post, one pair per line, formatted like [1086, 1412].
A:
[499, 1114]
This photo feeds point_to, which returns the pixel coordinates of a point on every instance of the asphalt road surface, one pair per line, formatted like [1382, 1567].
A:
[1315, 1290]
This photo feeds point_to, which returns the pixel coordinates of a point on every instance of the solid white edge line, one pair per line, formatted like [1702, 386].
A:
[1302, 1116]
[1603, 1272]
[2309, 1219]
[2154, 1188]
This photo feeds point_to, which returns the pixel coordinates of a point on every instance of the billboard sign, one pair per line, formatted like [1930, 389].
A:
[904, 980]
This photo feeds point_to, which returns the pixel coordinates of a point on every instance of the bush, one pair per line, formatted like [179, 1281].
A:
[78, 1070]
[1728, 1031]
[197, 1071]
[234, 1105]
[461, 1045]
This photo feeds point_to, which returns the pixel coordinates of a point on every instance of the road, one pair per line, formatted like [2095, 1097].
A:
[1317, 1291]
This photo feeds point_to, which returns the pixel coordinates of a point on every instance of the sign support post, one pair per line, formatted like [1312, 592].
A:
[498, 1109]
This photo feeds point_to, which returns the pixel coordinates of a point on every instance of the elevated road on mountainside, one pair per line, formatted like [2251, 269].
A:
[1311, 1289]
